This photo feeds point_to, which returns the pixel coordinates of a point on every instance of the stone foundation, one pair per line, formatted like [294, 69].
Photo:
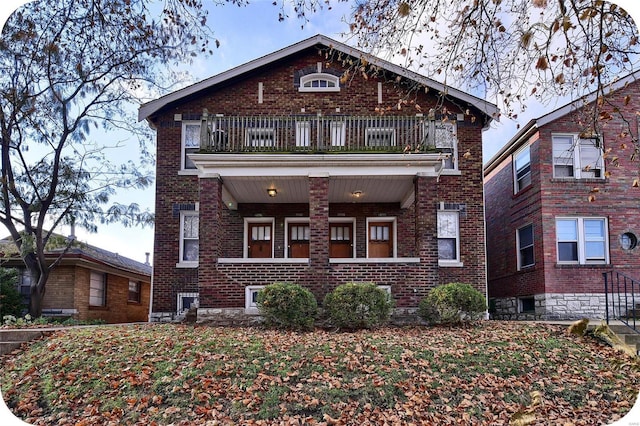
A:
[554, 306]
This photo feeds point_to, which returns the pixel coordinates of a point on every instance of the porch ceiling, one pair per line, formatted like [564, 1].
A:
[295, 189]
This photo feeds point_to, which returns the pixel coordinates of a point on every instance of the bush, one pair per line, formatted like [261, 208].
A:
[288, 306]
[10, 298]
[354, 306]
[452, 303]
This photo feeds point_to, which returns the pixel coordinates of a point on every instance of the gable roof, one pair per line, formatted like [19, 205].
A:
[148, 109]
[533, 125]
[86, 252]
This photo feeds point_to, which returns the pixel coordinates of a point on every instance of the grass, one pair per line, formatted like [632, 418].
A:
[484, 374]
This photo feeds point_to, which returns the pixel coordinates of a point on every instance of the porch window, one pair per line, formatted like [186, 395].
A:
[341, 238]
[298, 236]
[261, 137]
[187, 301]
[524, 241]
[259, 238]
[579, 158]
[448, 237]
[380, 137]
[98, 289]
[522, 169]
[189, 237]
[134, 291]
[381, 238]
[582, 240]
[190, 143]
[303, 133]
[447, 142]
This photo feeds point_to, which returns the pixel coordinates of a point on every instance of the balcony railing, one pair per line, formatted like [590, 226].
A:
[326, 133]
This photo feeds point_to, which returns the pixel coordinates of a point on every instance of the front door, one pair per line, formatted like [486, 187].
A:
[260, 235]
[299, 240]
[341, 240]
[380, 239]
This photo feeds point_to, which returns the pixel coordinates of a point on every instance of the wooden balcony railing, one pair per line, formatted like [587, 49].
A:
[326, 133]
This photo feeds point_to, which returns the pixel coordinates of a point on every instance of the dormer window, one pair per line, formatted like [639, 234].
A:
[319, 82]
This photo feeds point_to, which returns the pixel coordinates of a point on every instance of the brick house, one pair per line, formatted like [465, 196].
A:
[548, 245]
[298, 167]
[89, 283]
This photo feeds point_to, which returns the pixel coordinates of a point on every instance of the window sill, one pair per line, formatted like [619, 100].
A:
[270, 260]
[575, 179]
[376, 260]
[583, 265]
[450, 264]
[188, 172]
[187, 265]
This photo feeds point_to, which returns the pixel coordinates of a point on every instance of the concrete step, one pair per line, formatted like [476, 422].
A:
[8, 347]
[20, 334]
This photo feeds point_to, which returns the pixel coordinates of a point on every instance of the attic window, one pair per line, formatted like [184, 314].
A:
[319, 82]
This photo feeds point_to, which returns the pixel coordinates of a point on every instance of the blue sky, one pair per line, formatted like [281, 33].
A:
[246, 33]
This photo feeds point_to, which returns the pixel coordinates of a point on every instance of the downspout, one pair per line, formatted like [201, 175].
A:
[484, 243]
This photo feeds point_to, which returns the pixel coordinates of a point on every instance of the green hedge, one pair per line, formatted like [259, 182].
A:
[355, 306]
[452, 303]
[288, 306]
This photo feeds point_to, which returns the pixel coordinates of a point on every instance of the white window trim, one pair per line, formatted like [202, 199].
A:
[185, 263]
[515, 171]
[352, 221]
[183, 148]
[582, 242]
[577, 166]
[251, 220]
[519, 249]
[303, 133]
[179, 305]
[319, 76]
[249, 306]
[287, 221]
[452, 263]
[257, 130]
[394, 226]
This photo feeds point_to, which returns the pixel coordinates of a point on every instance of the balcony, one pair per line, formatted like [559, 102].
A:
[318, 134]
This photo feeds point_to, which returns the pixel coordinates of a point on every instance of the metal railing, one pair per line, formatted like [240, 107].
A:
[327, 133]
[621, 298]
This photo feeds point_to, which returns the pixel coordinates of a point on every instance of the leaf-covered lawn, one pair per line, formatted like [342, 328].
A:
[491, 373]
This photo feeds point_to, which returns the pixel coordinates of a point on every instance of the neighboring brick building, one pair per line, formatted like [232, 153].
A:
[297, 167]
[548, 245]
[89, 283]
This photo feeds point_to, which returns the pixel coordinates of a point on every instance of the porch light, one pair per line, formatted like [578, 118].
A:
[357, 194]
[272, 192]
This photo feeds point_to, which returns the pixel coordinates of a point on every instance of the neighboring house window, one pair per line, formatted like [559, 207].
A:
[189, 237]
[448, 237]
[338, 133]
[251, 298]
[187, 301]
[522, 169]
[524, 240]
[582, 240]
[134, 291]
[376, 137]
[259, 238]
[303, 133]
[97, 289]
[298, 236]
[190, 143]
[577, 158]
[261, 137]
[319, 82]
[381, 237]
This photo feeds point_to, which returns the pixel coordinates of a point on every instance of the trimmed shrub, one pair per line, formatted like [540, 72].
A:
[452, 303]
[354, 306]
[10, 298]
[287, 306]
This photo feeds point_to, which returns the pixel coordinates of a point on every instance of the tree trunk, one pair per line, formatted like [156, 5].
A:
[38, 282]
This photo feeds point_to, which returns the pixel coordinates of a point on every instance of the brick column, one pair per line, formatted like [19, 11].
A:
[209, 235]
[317, 277]
[426, 228]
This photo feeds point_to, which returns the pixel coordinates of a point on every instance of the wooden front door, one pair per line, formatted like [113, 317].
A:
[299, 240]
[380, 239]
[260, 235]
[341, 240]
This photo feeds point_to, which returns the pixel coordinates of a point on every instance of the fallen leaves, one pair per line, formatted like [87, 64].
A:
[493, 373]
